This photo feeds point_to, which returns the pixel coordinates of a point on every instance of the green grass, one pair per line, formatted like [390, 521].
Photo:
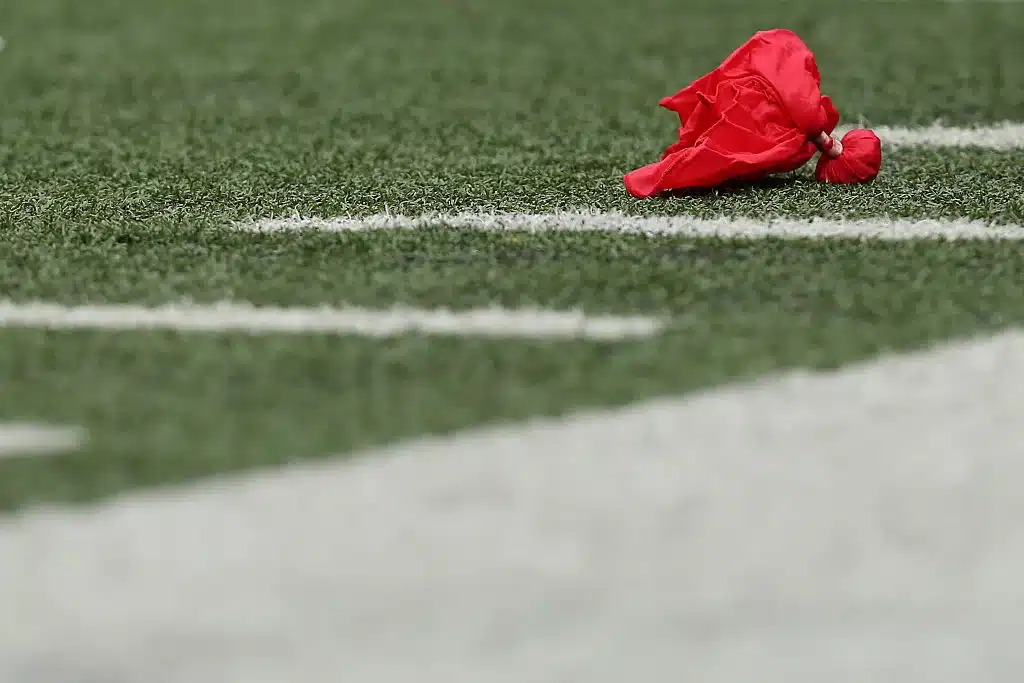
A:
[132, 110]
[945, 183]
[463, 268]
[133, 132]
[165, 407]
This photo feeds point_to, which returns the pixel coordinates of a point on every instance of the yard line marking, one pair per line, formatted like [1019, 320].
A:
[863, 524]
[683, 226]
[25, 439]
[242, 317]
[1002, 136]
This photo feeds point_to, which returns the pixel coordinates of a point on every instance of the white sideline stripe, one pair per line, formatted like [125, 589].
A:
[25, 439]
[240, 317]
[862, 525]
[1003, 136]
[685, 226]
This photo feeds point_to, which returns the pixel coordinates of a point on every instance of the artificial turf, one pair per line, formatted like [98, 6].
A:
[133, 134]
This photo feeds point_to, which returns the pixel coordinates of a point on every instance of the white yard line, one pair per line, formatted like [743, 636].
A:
[26, 439]
[1002, 136]
[686, 226]
[861, 525]
[240, 317]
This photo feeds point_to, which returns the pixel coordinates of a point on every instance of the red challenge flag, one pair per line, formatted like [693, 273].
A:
[760, 112]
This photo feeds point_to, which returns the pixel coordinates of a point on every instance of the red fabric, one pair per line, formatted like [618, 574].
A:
[860, 161]
[752, 116]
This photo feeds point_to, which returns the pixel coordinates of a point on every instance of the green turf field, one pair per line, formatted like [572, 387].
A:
[134, 133]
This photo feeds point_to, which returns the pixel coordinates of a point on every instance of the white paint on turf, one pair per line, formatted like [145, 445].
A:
[1002, 136]
[862, 525]
[241, 317]
[686, 226]
[26, 439]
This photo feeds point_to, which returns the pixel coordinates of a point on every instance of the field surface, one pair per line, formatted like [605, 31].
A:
[335, 318]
